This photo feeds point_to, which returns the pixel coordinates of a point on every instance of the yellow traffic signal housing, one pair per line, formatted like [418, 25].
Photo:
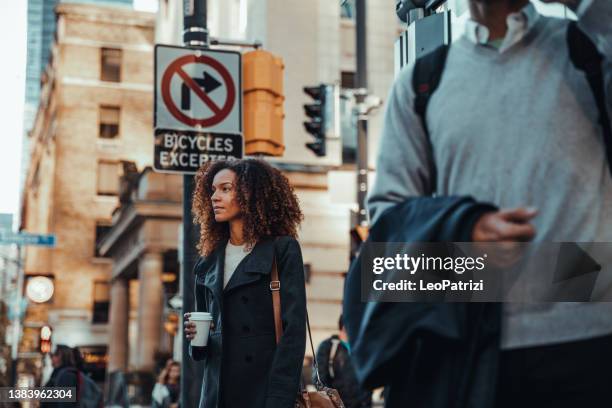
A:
[262, 85]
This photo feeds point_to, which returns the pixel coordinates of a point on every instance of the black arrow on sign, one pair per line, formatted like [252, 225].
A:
[208, 83]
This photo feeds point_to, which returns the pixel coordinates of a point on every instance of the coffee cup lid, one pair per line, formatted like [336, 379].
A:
[200, 316]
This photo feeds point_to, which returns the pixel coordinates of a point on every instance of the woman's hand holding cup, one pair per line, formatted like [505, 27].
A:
[191, 329]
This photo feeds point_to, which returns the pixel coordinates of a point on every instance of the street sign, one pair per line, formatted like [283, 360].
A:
[22, 238]
[198, 107]
[198, 90]
[185, 152]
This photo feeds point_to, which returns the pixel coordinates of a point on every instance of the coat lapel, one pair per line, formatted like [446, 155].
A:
[214, 275]
[255, 265]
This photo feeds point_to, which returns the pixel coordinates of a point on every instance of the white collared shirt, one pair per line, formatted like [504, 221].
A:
[519, 24]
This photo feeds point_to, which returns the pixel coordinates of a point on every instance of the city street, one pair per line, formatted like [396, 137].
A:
[332, 124]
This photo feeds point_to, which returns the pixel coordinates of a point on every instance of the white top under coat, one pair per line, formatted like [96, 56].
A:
[234, 254]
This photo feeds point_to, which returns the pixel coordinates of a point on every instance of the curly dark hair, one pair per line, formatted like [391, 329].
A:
[268, 204]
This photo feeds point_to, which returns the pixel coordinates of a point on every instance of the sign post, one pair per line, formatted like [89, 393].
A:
[198, 118]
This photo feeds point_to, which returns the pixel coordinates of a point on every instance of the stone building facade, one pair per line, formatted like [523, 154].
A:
[95, 112]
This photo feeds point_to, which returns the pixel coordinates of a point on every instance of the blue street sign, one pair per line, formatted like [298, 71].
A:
[8, 237]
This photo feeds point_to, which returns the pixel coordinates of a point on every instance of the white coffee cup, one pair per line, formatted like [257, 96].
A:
[202, 321]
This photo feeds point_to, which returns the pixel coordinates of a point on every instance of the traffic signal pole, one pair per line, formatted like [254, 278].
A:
[364, 105]
[362, 121]
[195, 34]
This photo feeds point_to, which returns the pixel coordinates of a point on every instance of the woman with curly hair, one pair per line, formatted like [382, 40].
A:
[248, 215]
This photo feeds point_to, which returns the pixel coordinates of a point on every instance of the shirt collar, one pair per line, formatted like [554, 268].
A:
[525, 19]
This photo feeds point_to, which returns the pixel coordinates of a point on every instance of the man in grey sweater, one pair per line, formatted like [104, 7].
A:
[513, 123]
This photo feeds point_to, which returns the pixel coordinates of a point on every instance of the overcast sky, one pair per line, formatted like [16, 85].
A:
[12, 89]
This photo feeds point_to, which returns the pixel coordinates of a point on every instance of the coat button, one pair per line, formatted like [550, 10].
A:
[244, 299]
[248, 358]
[246, 329]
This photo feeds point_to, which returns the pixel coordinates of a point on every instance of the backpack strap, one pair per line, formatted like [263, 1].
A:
[332, 356]
[79, 376]
[426, 77]
[586, 58]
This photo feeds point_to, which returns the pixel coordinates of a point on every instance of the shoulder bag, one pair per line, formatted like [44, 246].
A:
[323, 397]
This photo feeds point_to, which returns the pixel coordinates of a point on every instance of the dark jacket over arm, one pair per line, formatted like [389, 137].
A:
[200, 306]
[431, 354]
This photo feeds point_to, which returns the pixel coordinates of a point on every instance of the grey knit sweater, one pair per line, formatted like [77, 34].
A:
[517, 128]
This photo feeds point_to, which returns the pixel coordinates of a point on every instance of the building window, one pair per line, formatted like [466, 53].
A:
[347, 9]
[347, 80]
[111, 65]
[101, 230]
[101, 297]
[109, 122]
[108, 178]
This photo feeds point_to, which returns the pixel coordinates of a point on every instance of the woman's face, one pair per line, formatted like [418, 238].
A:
[174, 373]
[224, 203]
[56, 360]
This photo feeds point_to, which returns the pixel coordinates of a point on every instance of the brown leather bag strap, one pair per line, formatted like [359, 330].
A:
[278, 323]
[276, 304]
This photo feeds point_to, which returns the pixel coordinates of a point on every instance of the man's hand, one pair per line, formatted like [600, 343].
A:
[505, 226]
[573, 4]
[510, 228]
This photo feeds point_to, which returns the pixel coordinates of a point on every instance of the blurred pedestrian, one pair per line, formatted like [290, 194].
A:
[64, 374]
[336, 370]
[249, 215]
[502, 137]
[166, 392]
[79, 362]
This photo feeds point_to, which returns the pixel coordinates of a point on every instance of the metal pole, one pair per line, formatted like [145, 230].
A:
[235, 43]
[17, 317]
[362, 121]
[362, 169]
[195, 34]
[361, 76]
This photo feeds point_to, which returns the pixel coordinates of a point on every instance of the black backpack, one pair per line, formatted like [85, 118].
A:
[584, 55]
[89, 395]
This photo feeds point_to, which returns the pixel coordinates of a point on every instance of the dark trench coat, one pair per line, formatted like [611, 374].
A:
[244, 368]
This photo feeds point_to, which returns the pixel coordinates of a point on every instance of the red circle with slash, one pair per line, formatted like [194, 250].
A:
[176, 67]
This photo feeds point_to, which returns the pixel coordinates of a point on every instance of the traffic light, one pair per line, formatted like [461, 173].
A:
[324, 116]
[45, 339]
[263, 103]
[316, 112]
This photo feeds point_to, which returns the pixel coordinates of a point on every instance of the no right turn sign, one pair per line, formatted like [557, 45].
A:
[198, 107]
